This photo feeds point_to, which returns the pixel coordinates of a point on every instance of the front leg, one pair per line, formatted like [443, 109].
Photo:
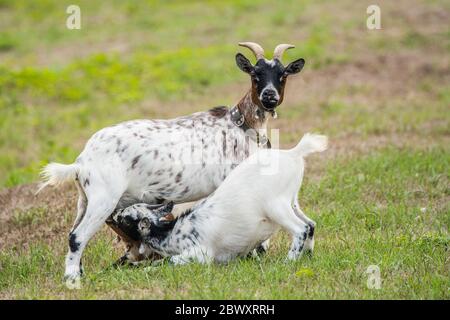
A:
[180, 259]
[195, 254]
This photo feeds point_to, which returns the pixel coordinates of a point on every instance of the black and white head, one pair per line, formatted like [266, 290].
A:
[141, 220]
[268, 76]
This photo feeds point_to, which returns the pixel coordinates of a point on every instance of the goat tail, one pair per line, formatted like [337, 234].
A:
[55, 174]
[311, 143]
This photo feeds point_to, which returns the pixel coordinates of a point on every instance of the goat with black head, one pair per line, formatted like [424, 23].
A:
[268, 76]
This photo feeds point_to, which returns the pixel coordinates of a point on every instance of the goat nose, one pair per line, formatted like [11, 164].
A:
[269, 93]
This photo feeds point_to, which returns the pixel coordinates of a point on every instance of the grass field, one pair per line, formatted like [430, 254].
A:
[380, 195]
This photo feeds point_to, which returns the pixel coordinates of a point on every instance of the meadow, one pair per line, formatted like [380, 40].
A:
[380, 194]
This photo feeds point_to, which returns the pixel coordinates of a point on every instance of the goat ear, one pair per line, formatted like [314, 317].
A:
[243, 63]
[168, 207]
[294, 67]
[167, 218]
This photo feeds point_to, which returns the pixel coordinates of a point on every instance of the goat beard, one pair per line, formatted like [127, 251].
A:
[274, 114]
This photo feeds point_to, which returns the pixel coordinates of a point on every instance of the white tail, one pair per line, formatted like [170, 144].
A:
[311, 143]
[55, 174]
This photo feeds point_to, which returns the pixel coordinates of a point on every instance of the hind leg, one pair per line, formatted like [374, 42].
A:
[99, 207]
[309, 242]
[283, 214]
[81, 205]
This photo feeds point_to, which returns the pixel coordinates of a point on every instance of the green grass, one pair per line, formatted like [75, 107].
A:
[381, 96]
[368, 211]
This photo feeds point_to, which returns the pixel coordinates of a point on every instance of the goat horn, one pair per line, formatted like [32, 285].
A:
[279, 50]
[256, 49]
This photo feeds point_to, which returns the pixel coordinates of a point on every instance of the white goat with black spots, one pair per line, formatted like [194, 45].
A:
[182, 159]
[246, 209]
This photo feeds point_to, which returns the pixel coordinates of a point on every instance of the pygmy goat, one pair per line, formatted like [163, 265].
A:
[182, 159]
[245, 210]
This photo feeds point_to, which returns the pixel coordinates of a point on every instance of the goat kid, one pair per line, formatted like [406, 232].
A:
[246, 209]
[157, 161]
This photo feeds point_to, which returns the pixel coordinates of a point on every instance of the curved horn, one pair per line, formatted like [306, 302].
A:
[256, 49]
[279, 50]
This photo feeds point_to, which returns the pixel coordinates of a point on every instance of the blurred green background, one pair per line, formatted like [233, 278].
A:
[135, 59]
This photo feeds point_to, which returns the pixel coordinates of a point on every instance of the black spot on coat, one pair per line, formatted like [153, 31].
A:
[74, 245]
[186, 190]
[224, 142]
[219, 111]
[134, 161]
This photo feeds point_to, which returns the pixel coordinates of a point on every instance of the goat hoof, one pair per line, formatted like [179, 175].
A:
[292, 256]
[309, 253]
[309, 245]
[72, 281]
